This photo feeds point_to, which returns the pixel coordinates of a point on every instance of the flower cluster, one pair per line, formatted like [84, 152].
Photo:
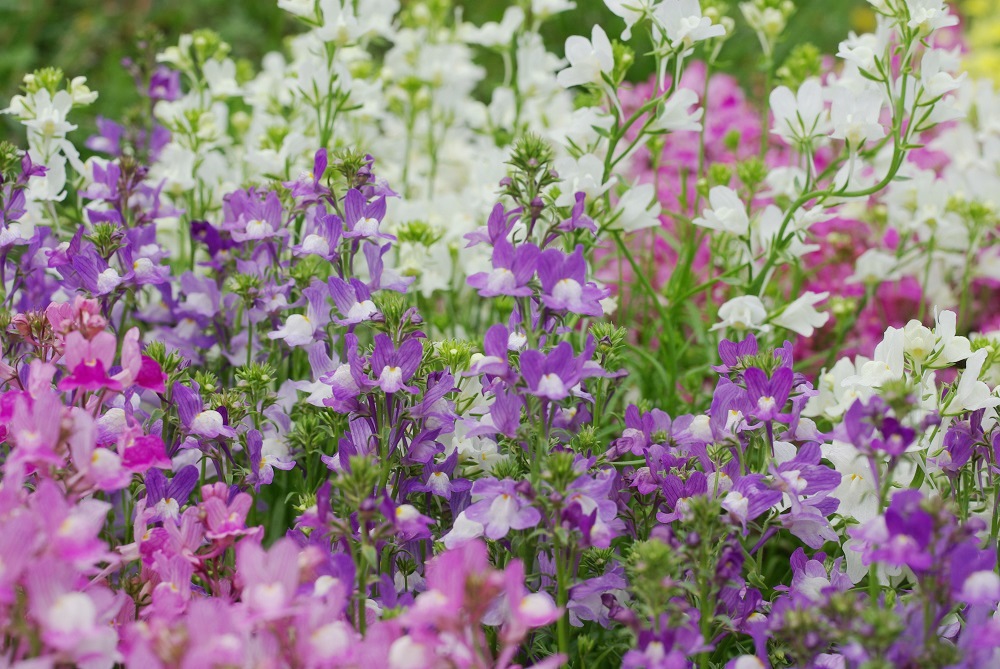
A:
[369, 358]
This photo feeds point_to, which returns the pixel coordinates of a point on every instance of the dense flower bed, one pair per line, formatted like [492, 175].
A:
[366, 358]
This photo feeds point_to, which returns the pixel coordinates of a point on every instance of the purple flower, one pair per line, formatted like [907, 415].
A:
[262, 465]
[512, 270]
[165, 84]
[353, 300]
[168, 496]
[393, 367]
[207, 423]
[362, 217]
[499, 509]
[768, 396]
[565, 286]
[497, 227]
[731, 352]
[251, 216]
[578, 218]
[590, 509]
[438, 479]
[552, 375]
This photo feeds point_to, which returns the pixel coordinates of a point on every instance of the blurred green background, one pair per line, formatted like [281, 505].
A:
[90, 37]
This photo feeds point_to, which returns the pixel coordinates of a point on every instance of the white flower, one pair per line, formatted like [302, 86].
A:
[304, 8]
[543, 9]
[929, 15]
[727, 212]
[887, 364]
[80, 92]
[856, 492]
[588, 59]
[631, 11]
[743, 313]
[936, 69]
[971, 394]
[580, 176]
[676, 114]
[801, 116]
[681, 22]
[220, 75]
[935, 349]
[50, 111]
[801, 316]
[874, 267]
[493, 34]
[855, 116]
[297, 331]
[637, 209]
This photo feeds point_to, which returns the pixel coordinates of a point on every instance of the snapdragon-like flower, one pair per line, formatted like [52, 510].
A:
[726, 214]
[202, 422]
[681, 24]
[588, 59]
[801, 315]
[498, 509]
[802, 116]
[513, 268]
[743, 313]
[565, 286]
[392, 366]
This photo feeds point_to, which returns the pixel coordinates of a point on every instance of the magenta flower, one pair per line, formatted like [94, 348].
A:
[89, 362]
[225, 514]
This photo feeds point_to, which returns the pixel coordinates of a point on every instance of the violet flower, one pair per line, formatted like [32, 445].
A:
[392, 366]
[512, 270]
[565, 286]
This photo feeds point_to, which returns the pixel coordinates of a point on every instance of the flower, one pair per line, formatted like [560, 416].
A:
[800, 315]
[498, 509]
[588, 59]
[513, 268]
[392, 366]
[727, 212]
[681, 24]
[743, 313]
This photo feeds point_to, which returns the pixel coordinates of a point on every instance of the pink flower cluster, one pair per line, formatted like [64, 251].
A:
[188, 583]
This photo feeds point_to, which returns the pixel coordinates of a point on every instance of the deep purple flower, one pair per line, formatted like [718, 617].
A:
[578, 219]
[768, 396]
[362, 217]
[206, 423]
[168, 496]
[165, 84]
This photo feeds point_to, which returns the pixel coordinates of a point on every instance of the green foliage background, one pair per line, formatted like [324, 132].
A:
[90, 37]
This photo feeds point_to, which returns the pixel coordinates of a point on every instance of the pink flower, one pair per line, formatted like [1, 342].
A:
[88, 362]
